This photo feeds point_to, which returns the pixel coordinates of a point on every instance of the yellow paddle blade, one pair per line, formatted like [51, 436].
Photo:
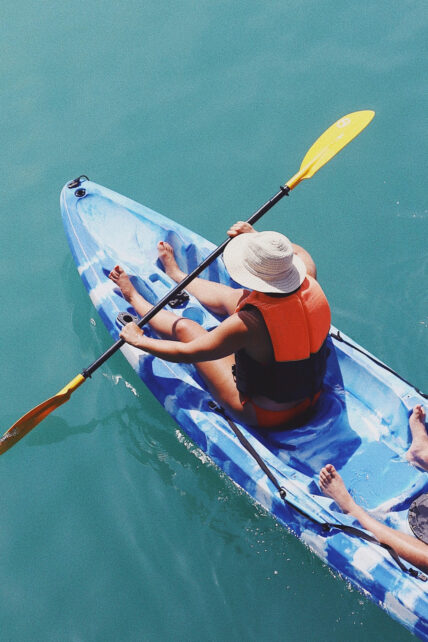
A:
[37, 414]
[330, 143]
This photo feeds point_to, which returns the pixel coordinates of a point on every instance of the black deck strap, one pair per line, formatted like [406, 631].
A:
[253, 452]
[351, 530]
[338, 337]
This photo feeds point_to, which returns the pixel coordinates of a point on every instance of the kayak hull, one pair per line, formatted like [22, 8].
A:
[360, 423]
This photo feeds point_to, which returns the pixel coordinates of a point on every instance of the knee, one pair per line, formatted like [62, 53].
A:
[186, 330]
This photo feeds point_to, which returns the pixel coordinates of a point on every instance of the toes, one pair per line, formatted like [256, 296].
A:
[165, 251]
[324, 476]
[327, 474]
[324, 486]
[115, 273]
[420, 411]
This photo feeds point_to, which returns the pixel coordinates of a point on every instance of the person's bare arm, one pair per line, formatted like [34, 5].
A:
[230, 336]
[307, 260]
[242, 227]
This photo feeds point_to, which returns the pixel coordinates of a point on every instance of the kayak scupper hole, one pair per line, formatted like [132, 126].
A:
[123, 318]
[157, 277]
[195, 314]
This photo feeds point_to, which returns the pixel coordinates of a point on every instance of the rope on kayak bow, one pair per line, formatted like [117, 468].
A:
[76, 182]
[326, 526]
[338, 337]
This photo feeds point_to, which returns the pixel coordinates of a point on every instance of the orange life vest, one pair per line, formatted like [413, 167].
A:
[298, 326]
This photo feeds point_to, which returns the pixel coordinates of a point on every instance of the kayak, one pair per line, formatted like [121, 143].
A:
[359, 424]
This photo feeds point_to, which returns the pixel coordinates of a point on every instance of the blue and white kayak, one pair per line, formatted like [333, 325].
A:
[360, 423]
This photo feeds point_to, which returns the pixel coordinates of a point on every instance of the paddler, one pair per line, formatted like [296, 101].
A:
[265, 363]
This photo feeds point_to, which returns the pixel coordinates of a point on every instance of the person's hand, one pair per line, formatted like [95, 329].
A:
[132, 334]
[240, 227]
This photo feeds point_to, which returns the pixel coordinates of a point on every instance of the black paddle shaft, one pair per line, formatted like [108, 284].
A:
[284, 191]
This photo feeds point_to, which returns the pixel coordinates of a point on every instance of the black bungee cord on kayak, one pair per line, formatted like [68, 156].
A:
[336, 335]
[326, 526]
[76, 182]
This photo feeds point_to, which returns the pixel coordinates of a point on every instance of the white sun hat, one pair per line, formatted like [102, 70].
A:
[264, 261]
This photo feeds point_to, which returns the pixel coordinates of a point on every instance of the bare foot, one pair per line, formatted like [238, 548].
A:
[119, 276]
[418, 451]
[167, 258]
[331, 484]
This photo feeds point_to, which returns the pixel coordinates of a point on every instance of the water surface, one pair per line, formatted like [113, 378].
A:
[113, 526]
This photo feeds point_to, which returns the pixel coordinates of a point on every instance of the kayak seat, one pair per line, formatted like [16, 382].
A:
[344, 430]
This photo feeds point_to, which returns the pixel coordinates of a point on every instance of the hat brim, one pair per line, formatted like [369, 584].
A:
[233, 256]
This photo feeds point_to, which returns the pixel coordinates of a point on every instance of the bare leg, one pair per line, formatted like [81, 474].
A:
[216, 374]
[163, 322]
[217, 297]
[409, 548]
[418, 451]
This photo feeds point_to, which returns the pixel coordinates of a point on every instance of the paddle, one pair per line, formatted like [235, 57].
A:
[324, 148]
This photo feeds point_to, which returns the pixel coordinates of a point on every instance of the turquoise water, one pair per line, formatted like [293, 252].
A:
[113, 526]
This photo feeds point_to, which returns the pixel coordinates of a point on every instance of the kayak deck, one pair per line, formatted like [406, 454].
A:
[360, 423]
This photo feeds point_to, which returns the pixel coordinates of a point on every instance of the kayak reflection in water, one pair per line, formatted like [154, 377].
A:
[406, 546]
[265, 363]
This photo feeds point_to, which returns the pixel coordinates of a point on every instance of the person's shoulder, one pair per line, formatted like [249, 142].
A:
[314, 291]
[251, 317]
